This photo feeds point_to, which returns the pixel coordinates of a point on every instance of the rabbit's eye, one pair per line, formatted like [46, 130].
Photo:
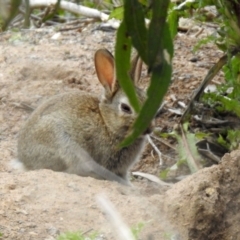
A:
[125, 108]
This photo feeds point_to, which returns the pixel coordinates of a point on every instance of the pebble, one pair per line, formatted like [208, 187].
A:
[53, 231]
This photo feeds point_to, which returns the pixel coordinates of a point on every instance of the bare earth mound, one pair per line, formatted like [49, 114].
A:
[41, 204]
[206, 205]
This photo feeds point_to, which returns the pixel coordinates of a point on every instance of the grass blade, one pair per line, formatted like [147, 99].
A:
[135, 22]
[122, 61]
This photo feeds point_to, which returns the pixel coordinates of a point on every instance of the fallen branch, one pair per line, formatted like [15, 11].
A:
[152, 178]
[82, 10]
[71, 7]
[156, 149]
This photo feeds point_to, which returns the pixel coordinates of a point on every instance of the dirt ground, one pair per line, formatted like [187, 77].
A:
[37, 64]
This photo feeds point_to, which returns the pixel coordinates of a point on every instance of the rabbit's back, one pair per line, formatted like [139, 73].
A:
[65, 116]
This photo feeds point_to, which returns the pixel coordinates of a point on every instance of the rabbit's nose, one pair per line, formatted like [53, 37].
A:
[150, 128]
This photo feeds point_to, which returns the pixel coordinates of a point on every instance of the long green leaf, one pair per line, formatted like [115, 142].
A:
[134, 18]
[173, 20]
[117, 13]
[160, 80]
[122, 59]
[156, 32]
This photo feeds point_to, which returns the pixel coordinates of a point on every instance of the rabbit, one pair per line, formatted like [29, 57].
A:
[80, 133]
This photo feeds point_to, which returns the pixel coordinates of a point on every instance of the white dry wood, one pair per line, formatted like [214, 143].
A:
[152, 178]
[78, 9]
[156, 149]
[71, 7]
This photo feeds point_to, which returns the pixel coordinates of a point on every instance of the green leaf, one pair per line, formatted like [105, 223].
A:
[122, 60]
[173, 21]
[136, 230]
[164, 173]
[117, 13]
[187, 150]
[159, 85]
[234, 138]
[134, 17]
[223, 142]
[229, 104]
[201, 135]
[77, 236]
[204, 41]
[156, 34]
[160, 80]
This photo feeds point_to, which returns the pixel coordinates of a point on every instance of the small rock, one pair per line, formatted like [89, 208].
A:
[21, 211]
[56, 36]
[53, 231]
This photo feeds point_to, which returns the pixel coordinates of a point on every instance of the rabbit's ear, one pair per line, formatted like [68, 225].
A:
[136, 69]
[104, 64]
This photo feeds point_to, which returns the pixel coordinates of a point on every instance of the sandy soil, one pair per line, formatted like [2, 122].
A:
[36, 64]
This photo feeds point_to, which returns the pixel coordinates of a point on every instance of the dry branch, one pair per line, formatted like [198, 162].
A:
[71, 7]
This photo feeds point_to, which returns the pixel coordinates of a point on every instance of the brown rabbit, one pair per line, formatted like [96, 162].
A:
[79, 133]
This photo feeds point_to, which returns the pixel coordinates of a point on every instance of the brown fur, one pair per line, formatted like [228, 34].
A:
[79, 133]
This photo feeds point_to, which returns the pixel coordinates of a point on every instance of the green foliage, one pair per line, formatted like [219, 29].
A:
[183, 155]
[136, 230]
[144, 2]
[187, 149]
[222, 103]
[231, 141]
[155, 47]
[232, 76]
[222, 141]
[233, 137]
[173, 20]
[201, 135]
[134, 18]
[88, 3]
[123, 65]
[117, 13]
[180, 162]
[169, 236]
[164, 173]
[76, 236]
[228, 104]
[204, 41]
[227, 38]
